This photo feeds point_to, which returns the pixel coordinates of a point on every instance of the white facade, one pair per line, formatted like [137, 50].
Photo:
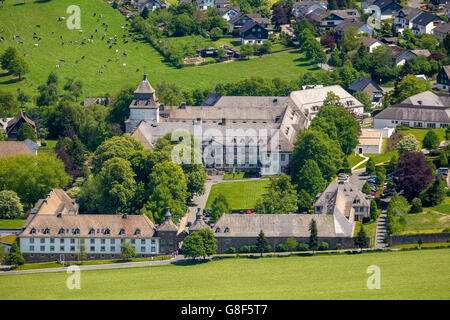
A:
[47, 245]
[388, 123]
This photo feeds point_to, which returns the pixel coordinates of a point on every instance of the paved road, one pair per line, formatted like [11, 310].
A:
[357, 178]
[177, 259]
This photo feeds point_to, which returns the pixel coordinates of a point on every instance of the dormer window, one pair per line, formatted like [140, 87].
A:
[76, 231]
[137, 232]
[121, 232]
[61, 231]
[217, 230]
[92, 231]
[106, 231]
[227, 230]
[46, 231]
[33, 231]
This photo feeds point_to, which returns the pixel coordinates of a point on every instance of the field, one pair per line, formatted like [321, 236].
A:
[418, 274]
[11, 224]
[434, 219]
[240, 194]
[140, 55]
[420, 133]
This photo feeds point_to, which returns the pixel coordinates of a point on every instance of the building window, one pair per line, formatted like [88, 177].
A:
[72, 240]
[42, 240]
[153, 249]
[61, 240]
[61, 248]
[113, 241]
[107, 231]
[153, 241]
[121, 232]
[72, 248]
[46, 231]
[52, 240]
[103, 241]
[113, 249]
[102, 249]
[61, 231]
[31, 240]
[142, 249]
[76, 231]
[31, 248]
[142, 241]
[33, 231]
[92, 249]
[227, 230]
[137, 232]
[217, 230]
[52, 248]
[42, 248]
[133, 241]
[92, 241]
[92, 231]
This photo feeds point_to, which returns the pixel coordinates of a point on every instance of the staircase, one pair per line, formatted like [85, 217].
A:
[381, 230]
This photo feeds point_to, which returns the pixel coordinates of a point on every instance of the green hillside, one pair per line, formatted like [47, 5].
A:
[22, 20]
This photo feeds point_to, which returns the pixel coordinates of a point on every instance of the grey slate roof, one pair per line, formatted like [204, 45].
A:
[361, 83]
[168, 224]
[273, 225]
[250, 101]
[424, 18]
[210, 99]
[198, 224]
[349, 23]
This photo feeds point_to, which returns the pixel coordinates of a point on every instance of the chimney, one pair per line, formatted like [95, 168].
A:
[224, 121]
[183, 105]
[161, 107]
[145, 77]
[124, 216]
[199, 214]
[167, 215]
[419, 102]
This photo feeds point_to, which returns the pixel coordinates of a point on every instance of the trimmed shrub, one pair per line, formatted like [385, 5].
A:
[303, 247]
[323, 246]
[282, 247]
[231, 250]
[416, 206]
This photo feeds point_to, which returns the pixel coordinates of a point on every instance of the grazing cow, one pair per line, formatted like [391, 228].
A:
[76, 61]
[38, 26]
[36, 45]
[124, 64]
[82, 57]
[62, 60]
[117, 51]
[57, 66]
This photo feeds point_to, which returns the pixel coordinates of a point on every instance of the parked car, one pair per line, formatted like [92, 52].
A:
[249, 212]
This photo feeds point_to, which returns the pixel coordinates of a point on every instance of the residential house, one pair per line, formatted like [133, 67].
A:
[228, 13]
[388, 8]
[89, 101]
[301, 8]
[151, 5]
[345, 201]
[15, 124]
[447, 10]
[221, 3]
[423, 110]
[4, 124]
[441, 31]
[315, 17]
[400, 55]
[371, 43]
[363, 84]
[402, 19]
[10, 148]
[254, 33]
[425, 22]
[335, 17]
[242, 18]
[360, 25]
[443, 79]
[439, 3]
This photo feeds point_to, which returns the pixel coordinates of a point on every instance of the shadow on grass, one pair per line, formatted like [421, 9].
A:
[10, 81]
[190, 262]
[18, 4]
[41, 1]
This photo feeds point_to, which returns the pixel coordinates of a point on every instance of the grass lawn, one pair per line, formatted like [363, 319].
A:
[9, 238]
[140, 55]
[404, 275]
[51, 144]
[11, 224]
[434, 219]
[420, 133]
[46, 265]
[354, 159]
[424, 245]
[240, 194]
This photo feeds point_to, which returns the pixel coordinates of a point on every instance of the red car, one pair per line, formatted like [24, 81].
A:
[249, 212]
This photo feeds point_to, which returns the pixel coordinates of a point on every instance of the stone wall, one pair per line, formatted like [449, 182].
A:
[426, 238]
[49, 257]
[223, 243]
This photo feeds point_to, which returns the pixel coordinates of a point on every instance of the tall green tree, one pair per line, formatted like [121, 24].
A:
[431, 140]
[280, 197]
[10, 206]
[120, 108]
[408, 144]
[19, 66]
[127, 251]
[313, 237]
[361, 240]
[262, 245]
[435, 193]
[317, 146]
[310, 178]
[26, 131]
[15, 256]
[218, 207]
[8, 55]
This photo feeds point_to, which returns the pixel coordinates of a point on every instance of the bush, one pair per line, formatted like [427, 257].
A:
[416, 206]
[303, 247]
[446, 230]
[231, 250]
[282, 247]
[338, 246]
[245, 249]
[323, 246]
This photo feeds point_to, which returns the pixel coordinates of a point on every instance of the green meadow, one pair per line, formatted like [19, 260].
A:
[417, 274]
[22, 20]
[239, 194]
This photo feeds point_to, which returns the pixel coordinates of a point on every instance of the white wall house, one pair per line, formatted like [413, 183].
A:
[425, 22]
